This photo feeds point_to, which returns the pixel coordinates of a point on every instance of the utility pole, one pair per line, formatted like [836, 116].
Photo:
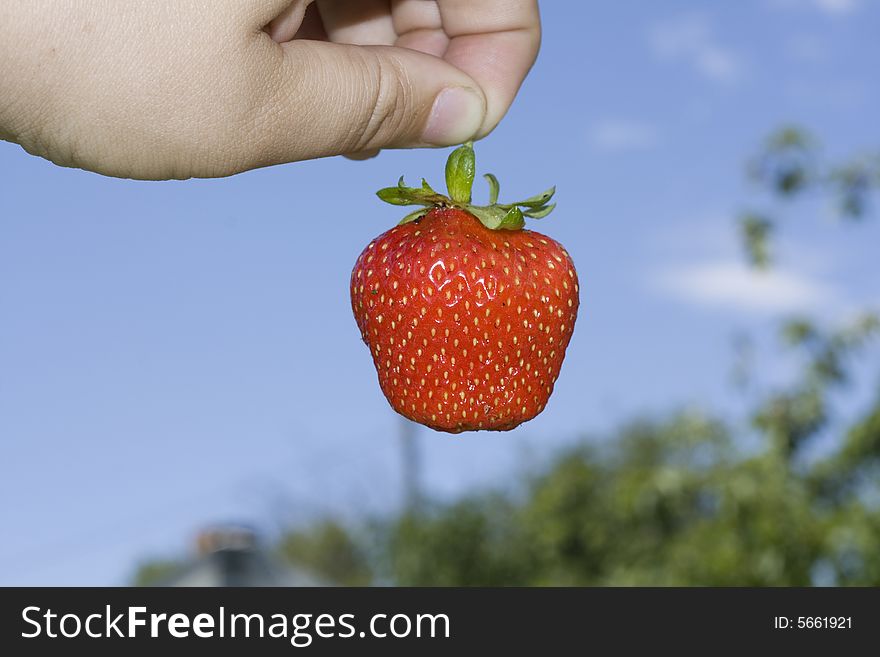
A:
[411, 462]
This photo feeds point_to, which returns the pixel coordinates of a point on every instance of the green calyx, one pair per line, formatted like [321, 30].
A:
[460, 174]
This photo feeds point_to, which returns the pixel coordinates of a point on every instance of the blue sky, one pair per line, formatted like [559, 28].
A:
[157, 371]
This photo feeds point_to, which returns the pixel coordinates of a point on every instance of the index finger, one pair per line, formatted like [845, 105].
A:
[496, 43]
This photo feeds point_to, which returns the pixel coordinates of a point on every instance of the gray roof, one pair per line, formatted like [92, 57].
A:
[232, 555]
[240, 567]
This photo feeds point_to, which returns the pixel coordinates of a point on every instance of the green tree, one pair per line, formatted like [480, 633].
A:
[152, 572]
[330, 550]
[791, 166]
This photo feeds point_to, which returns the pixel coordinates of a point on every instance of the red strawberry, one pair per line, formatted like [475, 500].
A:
[466, 314]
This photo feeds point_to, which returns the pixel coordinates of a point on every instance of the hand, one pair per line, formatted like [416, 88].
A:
[159, 89]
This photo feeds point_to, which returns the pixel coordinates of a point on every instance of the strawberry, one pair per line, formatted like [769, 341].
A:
[467, 315]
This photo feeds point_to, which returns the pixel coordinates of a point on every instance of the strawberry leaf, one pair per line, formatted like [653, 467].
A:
[494, 188]
[539, 213]
[413, 216]
[537, 201]
[460, 172]
[497, 218]
[513, 220]
[403, 195]
[395, 196]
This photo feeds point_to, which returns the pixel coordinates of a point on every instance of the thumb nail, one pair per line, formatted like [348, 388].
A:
[456, 116]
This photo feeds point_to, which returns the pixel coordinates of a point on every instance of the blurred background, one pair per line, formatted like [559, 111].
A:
[185, 398]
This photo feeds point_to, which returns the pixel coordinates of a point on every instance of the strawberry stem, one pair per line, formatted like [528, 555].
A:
[461, 168]
[460, 174]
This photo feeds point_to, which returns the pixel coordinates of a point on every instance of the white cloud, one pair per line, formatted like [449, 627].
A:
[615, 134]
[836, 6]
[832, 7]
[718, 64]
[691, 39]
[729, 284]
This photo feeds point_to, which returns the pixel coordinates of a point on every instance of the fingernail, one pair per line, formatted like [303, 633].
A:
[456, 116]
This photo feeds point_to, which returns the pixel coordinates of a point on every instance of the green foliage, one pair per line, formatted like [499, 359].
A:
[154, 572]
[790, 166]
[489, 549]
[789, 417]
[330, 550]
[666, 503]
[788, 162]
[756, 232]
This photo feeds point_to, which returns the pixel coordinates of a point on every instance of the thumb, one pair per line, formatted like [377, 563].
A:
[338, 98]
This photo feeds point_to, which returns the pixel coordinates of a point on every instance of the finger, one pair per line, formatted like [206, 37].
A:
[298, 20]
[364, 155]
[312, 26]
[335, 98]
[286, 24]
[419, 26]
[263, 12]
[363, 23]
[495, 43]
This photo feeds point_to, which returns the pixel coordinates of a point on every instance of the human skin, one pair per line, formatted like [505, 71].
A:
[158, 89]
